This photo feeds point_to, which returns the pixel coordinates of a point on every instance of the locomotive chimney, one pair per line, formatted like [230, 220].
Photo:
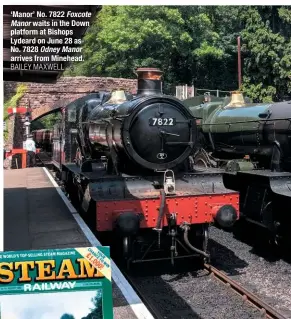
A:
[149, 81]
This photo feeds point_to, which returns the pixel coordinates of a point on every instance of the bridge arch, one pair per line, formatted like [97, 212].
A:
[46, 98]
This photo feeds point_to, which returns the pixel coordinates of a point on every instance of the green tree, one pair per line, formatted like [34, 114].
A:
[50, 120]
[182, 41]
[67, 316]
[219, 71]
[267, 48]
[46, 122]
[193, 45]
[97, 311]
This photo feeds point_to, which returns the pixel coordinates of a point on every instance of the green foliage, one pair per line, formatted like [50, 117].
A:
[46, 122]
[96, 312]
[179, 40]
[13, 102]
[266, 38]
[50, 120]
[193, 45]
[257, 92]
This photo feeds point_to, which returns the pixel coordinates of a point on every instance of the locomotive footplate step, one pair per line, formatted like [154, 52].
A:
[36, 217]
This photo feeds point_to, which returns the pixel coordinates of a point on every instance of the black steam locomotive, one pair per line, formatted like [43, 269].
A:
[149, 132]
[253, 143]
[125, 164]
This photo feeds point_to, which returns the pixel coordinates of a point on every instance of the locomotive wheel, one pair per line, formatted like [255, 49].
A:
[203, 238]
[198, 237]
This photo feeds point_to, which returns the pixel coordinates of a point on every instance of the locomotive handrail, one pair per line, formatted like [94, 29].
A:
[106, 119]
[252, 121]
[190, 143]
[225, 145]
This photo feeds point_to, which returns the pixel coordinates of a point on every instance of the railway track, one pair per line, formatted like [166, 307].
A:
[247, 296]
[266, 311]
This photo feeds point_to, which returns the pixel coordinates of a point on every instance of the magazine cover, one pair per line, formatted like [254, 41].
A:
[56, 284]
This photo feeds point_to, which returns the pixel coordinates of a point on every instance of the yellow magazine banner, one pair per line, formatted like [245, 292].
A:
[97, 259]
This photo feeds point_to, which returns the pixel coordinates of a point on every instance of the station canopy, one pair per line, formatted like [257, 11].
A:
[41, 76]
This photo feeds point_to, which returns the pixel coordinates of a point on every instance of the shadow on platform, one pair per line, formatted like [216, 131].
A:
[37, 218]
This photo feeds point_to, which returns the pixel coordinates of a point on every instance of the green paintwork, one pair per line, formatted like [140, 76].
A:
[203, 111]
[233, 119]
[197, 100]
[236, 165]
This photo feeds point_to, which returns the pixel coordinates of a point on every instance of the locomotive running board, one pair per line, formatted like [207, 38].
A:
[278, 182]
[262, 192]
[134, 187]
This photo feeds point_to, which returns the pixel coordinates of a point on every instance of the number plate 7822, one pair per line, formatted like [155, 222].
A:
[162, 121]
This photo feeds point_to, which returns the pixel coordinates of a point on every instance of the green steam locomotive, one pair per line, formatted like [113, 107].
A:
[252, 142]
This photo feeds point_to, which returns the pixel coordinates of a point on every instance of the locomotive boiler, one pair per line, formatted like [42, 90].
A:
[261, 131]
[124, 161]
[149, 132]
[253, 141]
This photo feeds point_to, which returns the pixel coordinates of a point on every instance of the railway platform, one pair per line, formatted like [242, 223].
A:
[37, 215]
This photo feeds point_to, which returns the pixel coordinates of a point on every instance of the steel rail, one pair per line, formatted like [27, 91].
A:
[265, 310]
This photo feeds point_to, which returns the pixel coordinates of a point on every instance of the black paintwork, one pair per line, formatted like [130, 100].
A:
[123, 130]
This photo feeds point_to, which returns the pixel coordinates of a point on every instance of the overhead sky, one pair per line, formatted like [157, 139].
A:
[47, 305]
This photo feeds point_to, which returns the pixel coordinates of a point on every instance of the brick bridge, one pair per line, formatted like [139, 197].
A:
[43, 98]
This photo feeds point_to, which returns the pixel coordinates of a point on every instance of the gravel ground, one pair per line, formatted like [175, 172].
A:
[194, 295]
[253, 265]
